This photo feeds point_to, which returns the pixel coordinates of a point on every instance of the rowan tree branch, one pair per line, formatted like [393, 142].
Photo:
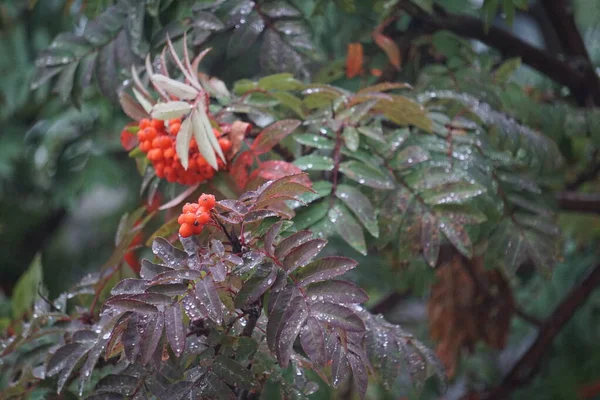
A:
[579, 77]
[527, 366]
[579, 202]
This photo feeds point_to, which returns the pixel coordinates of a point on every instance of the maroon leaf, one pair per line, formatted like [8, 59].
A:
[337, 315]
[287, 244]
[175, 276]
[312, 338]
[129, 286]
[359, 373]
[194, 308]
[151, 334]
[175, 328]
[303, 254]
[128, 140]
[336, 291]
[340, 368]
[273, 134]
[270, 236]
[291, 323]
[278, 303]
[131, 339]
[123, 305]
[150, 270]
[324, 269]
[257, 285]
[207, 293]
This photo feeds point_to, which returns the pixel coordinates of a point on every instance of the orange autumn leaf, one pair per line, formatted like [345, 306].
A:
[389, 47]
[354, 61]
[376, 72]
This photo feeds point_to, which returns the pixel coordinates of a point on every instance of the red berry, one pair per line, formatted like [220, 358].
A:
[198, 229]
[225, 144]
[203, 218]
[186, 230]
[190, 208]
[207, 201]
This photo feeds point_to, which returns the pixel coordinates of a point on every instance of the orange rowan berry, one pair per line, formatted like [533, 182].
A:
[207, 201]
[159, 168]
[198, 229]
[181, 219]
[146, 146]
[150, 133]
[225, 144]
[174, 121]
[141, 135]
[186, 230]
[169, 153]
[144, 123]
[190, 208]
[174, 129]
[189, 218]
[203, 218]
[157, 124]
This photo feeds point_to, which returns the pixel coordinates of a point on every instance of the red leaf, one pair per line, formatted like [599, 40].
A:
[128, 139]
[273, 134]
[354, 60]
[389, 47]
[239, 130]
[275, 169]
[239, 169]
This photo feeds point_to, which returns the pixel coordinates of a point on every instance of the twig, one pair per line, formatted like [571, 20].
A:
[580, 78]
[579, 202]
[527, 366]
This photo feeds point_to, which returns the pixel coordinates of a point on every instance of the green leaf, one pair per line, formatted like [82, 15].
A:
[26, 288]
[233, 373]
[409, 156]
[457, 235]
[367, 175]
[507, 69]
[290, 101]
[314, 163]
[452, 193]
[283, 81]
[348, 228]
[360, 205]
[322, 189]
[311, 214]
[351, 138]
[314, 140]
[245, 35]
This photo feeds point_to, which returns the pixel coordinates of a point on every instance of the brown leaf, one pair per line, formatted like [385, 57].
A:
[468, 304]
[354, 60]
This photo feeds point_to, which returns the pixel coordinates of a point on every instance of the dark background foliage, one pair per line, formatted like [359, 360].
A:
[65, 180]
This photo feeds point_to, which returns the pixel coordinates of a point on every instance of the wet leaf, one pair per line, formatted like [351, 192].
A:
[289, 243]
[324, 269]
[176, 332]
[291, 324]
[314, 163]
[256, 286]
[337, 315]
[314, 140]
[283, 81]
[303, 254]
[207, 294]
[360, 205]
[430, 239]
[409, 157]
[233, 373]
[312, 338]
[245, 34]
[366, 175]
[273, 134]
[336, 291]
[348, 228]
[351, 138]
[311, 214]
[457, 235]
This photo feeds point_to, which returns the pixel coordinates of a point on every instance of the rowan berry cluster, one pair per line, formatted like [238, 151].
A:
[157, 141]
[196, 215]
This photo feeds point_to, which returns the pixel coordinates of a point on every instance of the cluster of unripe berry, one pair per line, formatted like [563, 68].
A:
[196, 215]
[157, 141]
